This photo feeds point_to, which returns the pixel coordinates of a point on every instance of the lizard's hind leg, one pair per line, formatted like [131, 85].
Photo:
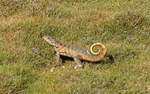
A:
[78, 63]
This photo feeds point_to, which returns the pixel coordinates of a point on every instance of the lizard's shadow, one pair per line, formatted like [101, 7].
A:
[65, 58]
[107, 59]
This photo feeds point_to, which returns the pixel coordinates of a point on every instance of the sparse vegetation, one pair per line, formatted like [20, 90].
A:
[123, 26]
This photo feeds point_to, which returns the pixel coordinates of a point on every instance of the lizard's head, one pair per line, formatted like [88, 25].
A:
[50, 40]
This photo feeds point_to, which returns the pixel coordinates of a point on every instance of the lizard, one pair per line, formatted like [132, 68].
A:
[78, 54]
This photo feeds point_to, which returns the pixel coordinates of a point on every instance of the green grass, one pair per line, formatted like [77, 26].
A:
[123, 26]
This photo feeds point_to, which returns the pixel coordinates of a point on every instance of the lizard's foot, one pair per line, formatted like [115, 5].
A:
[53, 68]
[63, 67]
[78, 66]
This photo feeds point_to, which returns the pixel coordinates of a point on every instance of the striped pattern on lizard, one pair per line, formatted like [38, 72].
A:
[77, 54]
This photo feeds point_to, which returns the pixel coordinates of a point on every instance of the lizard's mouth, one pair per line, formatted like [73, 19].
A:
[46, 38]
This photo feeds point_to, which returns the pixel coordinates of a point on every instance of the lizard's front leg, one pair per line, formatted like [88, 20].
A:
[58, 59]
[78, 63]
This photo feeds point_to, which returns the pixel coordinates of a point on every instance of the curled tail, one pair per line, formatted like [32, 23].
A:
[98, 50]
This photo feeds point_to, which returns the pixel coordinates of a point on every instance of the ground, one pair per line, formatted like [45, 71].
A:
[122, 25]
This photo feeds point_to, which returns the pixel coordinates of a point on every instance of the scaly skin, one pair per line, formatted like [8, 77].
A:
[77, 54]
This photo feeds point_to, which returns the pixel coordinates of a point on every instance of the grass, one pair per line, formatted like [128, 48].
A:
[123, 26]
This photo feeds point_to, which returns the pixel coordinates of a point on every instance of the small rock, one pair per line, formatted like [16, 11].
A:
[52, 69]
